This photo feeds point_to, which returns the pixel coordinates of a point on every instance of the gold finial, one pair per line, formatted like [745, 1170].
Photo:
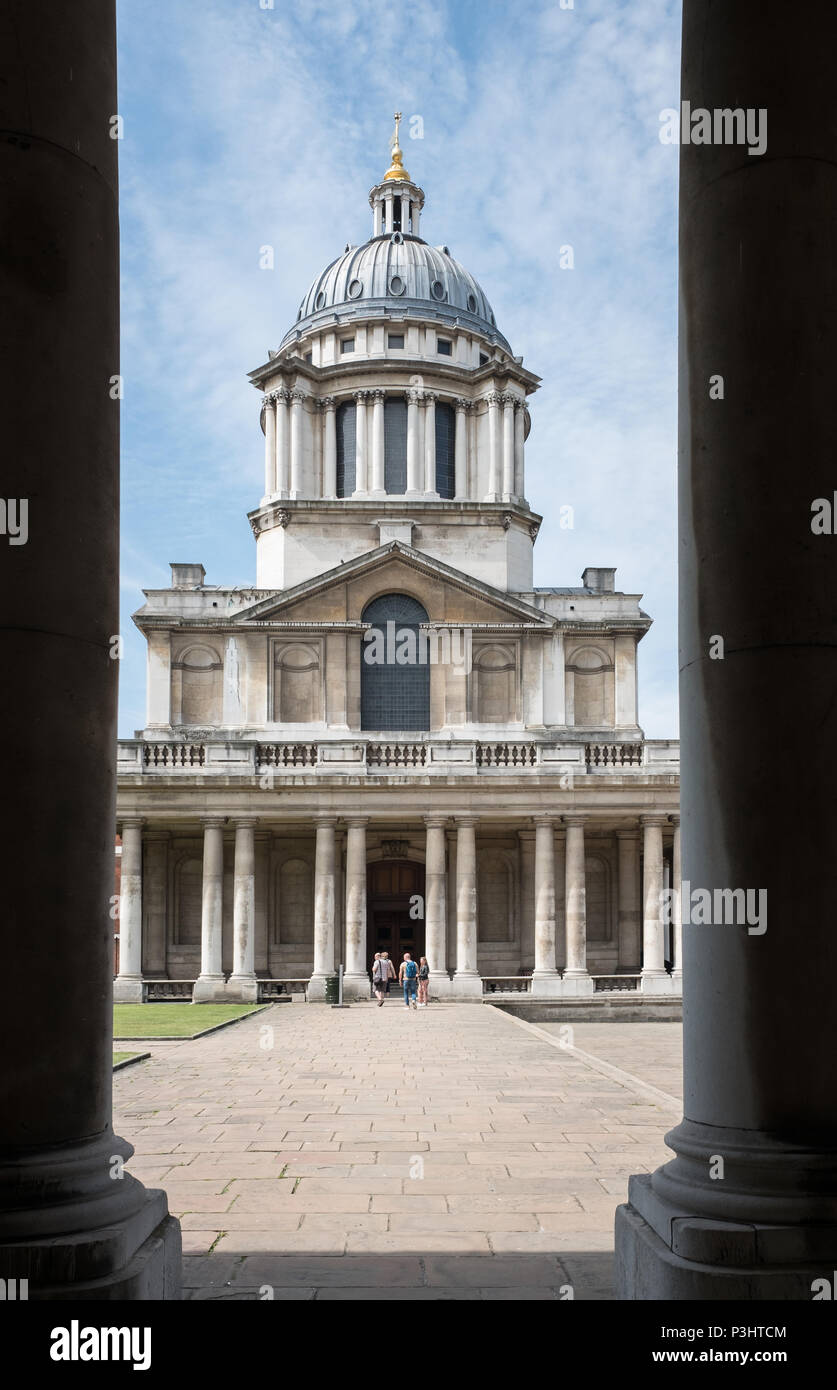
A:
[396, 170]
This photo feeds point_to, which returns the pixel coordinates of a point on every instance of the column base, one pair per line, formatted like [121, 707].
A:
[658, 982]
[127, 989]
[75, 1229]
[317, 988]
[647, 1267]
[242, 989]
[546, 984]
[466, 985]
[357, 987]
[210, 989]
[440, 985]
[573, 983]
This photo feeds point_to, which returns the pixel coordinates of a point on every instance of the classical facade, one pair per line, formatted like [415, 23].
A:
[394, 740]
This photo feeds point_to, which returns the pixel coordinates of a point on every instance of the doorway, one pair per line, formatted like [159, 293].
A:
[394, 888]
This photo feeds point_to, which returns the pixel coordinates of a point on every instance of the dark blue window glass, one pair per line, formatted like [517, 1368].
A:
[395, 445]
[445, 450]
[346, 429]
[394, 693]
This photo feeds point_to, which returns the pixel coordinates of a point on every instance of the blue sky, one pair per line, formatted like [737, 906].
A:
[247, 126]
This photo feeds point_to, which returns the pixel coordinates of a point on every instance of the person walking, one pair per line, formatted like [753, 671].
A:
[423, 982]
[382, 973]
[408, 977]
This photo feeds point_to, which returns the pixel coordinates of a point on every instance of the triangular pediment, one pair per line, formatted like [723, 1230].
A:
[341, 594]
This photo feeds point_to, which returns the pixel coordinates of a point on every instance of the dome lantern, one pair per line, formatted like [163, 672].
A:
[396, 202]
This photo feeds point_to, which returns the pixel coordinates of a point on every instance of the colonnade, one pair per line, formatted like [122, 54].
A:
[283, 428]
[560, 937]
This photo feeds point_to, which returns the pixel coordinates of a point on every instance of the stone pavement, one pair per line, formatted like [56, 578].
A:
[446, 1153]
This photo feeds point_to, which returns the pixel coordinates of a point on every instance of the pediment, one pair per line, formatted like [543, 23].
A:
[341, 594]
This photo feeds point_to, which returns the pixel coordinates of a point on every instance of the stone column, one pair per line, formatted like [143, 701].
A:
[519, 432]
[329, 447]
[378, 472]
[676, 908]
[560, 905]
[430, 443]
[494, 445]
[324, 905]
[361, 460]
[466, 980]
[158, 712]
[210, 986]
[414, 478]
[156, 850]
[242, 983]
[435, 905]
[576, 979]
[127, 987]
[654, 973]
[283, 433]
[356, 983]
[628, 913]
[269, 404]
[508, 444]
[545, 978]
[757, 569]
[297, 398]
[461, 449]
[65, 1224]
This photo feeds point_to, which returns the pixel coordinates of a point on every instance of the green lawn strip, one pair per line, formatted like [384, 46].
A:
[171, 1021]
[124, 1059]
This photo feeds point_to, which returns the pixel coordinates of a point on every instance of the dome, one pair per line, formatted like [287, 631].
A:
[400, 274]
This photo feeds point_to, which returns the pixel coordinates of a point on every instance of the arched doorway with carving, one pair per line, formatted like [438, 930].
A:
[395, 908]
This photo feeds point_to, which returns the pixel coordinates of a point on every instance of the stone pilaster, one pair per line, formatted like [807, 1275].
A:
[127, 987]
[356, 979]
[629, 931]
[210, 985]
[325, 869]
[269, 411]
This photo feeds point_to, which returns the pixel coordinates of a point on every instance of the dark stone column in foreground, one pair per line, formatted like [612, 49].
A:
[70, 1221]
[748, 1207]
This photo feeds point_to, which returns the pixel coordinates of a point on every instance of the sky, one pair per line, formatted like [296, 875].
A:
[249, 124]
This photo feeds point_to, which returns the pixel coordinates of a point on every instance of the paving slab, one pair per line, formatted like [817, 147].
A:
[376, 1154]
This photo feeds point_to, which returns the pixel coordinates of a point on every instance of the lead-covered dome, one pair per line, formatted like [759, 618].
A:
[396, 273]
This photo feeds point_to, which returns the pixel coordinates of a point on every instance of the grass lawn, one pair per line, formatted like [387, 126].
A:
[123, 1056]
[173, 1020]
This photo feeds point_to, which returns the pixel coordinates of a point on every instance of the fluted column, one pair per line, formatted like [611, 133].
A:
[494, 447]
[378, 485]
[127, 987]
[430, 398]
[519, 432]
[629, 917]
[545, 978]
[576, 979]
[461, 448]
[653, 944]
[676, 908]
[508, 444]
[297, 398]
[356, 979]
[242, 984]
[466, 980]
[361, 445]
[435, 909]
[210, 985]
[325, 871]
[414, 478]
[269, 445]
[329, 447]
[283, 435]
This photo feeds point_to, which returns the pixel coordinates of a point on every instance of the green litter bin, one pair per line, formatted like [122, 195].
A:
[331, 989]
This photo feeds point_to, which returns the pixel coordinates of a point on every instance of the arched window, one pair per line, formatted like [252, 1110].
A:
[395, 669]
[346, 438]
[395, 445]
[445, 450]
